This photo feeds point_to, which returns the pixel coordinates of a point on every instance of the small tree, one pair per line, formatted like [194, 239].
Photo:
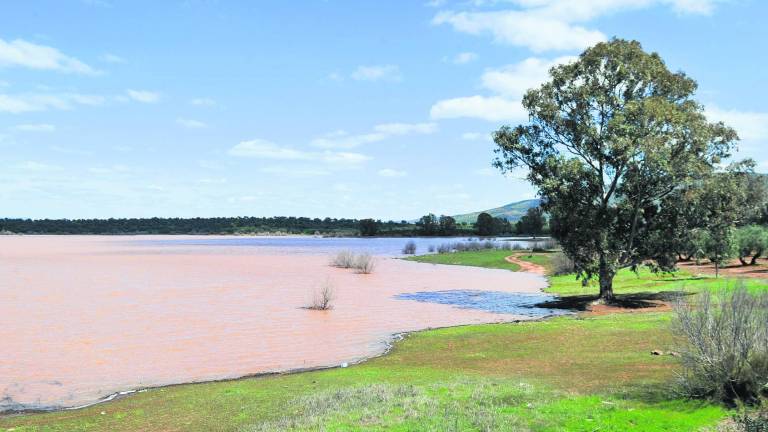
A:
[369, 227]
[428, 225]
[484, 225]
[501, 226]
[447, 225]
[532, 222]
[610, 136]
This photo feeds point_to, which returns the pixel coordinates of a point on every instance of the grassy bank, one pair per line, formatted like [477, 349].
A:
[580, 373]
[490, 258]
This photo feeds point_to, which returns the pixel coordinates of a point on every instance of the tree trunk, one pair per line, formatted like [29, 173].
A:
[743, 261]
[755, 257]
[606, 274]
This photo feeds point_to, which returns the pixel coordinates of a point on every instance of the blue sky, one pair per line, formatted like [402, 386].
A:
[318, 108]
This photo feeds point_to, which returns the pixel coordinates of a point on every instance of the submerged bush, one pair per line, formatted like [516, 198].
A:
[725, 345]
[364, 263]
[409, 248]
[343, 259]
[323, 297]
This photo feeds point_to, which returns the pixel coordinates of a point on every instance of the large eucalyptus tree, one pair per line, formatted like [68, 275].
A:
[609, 136]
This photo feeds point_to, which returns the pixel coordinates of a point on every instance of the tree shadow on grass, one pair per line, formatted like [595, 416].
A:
[627, 301]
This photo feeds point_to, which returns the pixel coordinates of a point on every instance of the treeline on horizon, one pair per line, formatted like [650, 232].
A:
[214, 225]
[429, 225]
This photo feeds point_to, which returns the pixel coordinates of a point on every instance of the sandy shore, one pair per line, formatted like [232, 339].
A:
[84, 317]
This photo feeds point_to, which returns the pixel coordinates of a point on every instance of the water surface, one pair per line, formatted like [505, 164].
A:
[83, 317]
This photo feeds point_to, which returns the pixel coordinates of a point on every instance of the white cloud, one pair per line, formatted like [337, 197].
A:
[377, 73]
[190, 124]
[492, 108]
[40, 127]
[522, 29]
[262, 149]
[295, 171]
[344, 158]
[30, 102]
[342, 140]
[464, 58]
[515, 79]
[203, 102]
[406, 128]
[112, 58]
[750, 125]
[30, 55]
[542, 25]
[388, 172]
[508, 83]
[143, 96]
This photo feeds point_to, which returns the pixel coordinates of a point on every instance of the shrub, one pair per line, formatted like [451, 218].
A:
[445, 248]
[750, 422]
[343, 259]
[323, 297]
[409, 248]
[561, 264]
[549, 244]
[725, 345]
[431, 248]
[364, 263]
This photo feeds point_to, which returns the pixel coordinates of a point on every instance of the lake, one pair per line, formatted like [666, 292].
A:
[84, 317]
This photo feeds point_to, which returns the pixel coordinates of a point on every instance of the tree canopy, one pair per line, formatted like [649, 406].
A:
[610, 136]
[532, 222]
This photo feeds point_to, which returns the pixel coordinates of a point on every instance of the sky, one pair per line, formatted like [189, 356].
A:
[318, 108]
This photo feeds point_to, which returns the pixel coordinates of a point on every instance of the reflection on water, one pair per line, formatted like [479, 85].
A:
[489, 301]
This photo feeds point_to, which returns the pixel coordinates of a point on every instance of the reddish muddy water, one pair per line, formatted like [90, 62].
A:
[83, 317]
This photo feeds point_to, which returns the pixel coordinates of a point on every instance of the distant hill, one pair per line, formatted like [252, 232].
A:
[512, 212]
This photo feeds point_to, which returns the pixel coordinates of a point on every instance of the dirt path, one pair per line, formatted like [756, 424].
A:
[525, 265]
[733, 269]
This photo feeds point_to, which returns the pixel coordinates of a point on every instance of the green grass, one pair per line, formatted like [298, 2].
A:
[627, 282]
[490, 258]
[567, 373]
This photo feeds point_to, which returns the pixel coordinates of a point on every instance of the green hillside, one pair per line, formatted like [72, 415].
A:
[512, 212]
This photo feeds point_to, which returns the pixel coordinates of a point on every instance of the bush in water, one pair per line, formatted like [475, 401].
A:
[323, 297]
[364, 263]
[409, 248]
[343, 259]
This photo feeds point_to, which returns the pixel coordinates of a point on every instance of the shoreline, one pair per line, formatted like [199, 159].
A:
[390, 344]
